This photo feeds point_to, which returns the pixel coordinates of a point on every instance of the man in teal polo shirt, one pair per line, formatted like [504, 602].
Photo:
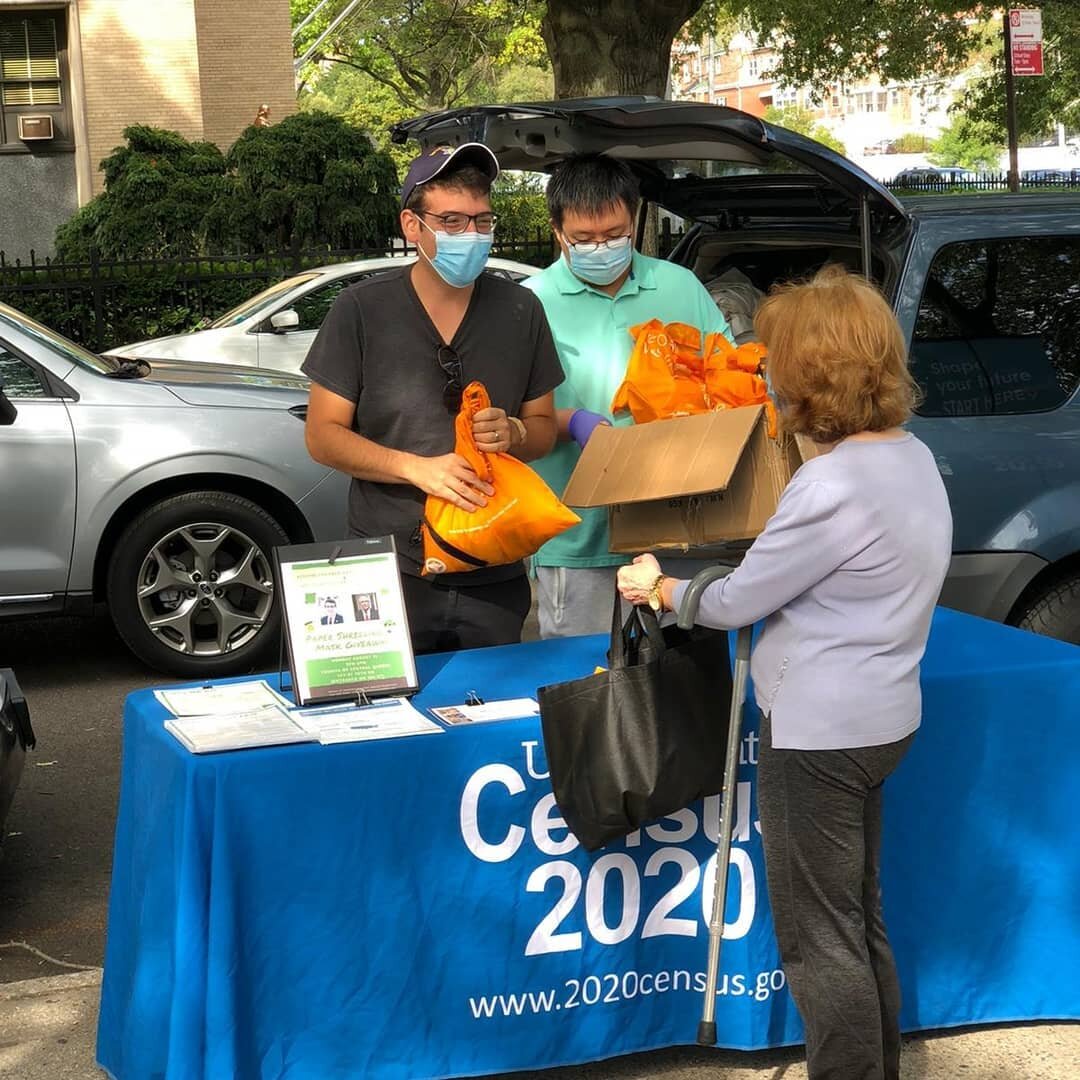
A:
[592, 295]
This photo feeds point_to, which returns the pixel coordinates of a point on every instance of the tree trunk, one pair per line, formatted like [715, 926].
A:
[601, 48]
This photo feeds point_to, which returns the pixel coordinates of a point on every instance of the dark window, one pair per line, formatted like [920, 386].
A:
[312, 308]
[998, 330]
[17, 378]
[33, 75]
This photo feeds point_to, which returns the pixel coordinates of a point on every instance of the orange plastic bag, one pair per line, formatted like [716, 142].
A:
[665, 373]
[522, 515]
[732, 377]
[675, 371]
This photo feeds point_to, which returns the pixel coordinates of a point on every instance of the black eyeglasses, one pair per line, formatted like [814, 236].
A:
[455, 224]
[450, 362]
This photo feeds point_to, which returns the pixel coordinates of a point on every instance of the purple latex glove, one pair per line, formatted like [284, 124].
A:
[583, 423]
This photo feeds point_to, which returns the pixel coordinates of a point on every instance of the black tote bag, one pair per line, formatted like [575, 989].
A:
[646, 737]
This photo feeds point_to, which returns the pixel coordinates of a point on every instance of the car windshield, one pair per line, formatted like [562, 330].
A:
[260, 301]
[57, 343]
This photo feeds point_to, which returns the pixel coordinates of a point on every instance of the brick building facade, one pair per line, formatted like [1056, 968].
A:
[92, 67]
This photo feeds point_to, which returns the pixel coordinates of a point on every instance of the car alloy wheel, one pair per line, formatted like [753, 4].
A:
[205, 589]
[218, 546]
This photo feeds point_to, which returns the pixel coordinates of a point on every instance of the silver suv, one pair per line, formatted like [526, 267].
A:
[158, 489]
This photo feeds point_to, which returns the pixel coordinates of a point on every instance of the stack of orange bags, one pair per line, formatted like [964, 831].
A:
[676, 371]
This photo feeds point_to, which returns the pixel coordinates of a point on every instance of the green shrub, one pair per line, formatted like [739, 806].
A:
[311, 180]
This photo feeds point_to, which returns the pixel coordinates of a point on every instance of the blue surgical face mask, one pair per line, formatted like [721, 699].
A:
[606, 264]
[460, 258]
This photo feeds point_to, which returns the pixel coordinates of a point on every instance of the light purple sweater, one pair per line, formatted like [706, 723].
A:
[847, 573]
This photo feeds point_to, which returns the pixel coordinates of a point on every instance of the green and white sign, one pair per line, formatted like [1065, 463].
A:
[345, 620]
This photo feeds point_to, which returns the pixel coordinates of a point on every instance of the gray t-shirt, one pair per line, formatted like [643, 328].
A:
[378, 347]
[846, 575]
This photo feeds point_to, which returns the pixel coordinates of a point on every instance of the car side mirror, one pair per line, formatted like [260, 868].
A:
[281, 322]
[8, 412]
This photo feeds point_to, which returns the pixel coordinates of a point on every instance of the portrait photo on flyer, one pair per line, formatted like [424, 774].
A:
[344, 621]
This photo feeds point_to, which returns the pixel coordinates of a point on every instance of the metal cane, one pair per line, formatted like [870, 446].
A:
[706, 1035]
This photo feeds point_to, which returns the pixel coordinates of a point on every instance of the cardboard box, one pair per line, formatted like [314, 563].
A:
[686, 483]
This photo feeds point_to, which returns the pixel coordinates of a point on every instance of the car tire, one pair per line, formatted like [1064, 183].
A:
[190, 586]
[1055, 612]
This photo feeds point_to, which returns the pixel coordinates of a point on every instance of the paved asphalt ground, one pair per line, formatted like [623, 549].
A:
[54, 877]
[54, 881]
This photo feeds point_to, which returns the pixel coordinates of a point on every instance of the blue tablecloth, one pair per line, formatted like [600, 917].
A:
[413, 908]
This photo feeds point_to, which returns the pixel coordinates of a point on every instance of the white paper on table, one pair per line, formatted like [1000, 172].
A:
[238, 731]
[511, 709]
[393, 718]
[224, 699]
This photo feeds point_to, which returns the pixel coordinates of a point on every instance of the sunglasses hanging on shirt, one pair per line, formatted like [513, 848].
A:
[450, 363]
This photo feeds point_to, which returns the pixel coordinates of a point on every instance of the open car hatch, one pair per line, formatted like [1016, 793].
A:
[701, 162]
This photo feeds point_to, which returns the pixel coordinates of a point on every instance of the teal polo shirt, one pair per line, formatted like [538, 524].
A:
[592, 336]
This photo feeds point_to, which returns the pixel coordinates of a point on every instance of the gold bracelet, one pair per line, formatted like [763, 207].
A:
[656, 597]
[520, 428]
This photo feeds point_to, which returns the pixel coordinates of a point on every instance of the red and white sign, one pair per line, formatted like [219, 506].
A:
[1025, 30]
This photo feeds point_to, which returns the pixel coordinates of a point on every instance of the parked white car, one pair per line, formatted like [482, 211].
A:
[275, 328]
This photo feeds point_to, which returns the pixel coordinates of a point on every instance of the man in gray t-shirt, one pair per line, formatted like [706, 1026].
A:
[387, 369]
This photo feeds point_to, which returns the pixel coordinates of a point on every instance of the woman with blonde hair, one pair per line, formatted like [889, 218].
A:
[846, 575]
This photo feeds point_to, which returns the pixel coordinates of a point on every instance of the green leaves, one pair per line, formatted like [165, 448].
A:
[1041, 101]
[430, 54]
[970, 143]
[795, 118]
[821, 43]
[310, 180]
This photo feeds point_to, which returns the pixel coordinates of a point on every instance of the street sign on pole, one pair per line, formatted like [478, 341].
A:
[1007, 20]
[1026, 33]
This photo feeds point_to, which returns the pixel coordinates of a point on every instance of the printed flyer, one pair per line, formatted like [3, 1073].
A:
[345, 621]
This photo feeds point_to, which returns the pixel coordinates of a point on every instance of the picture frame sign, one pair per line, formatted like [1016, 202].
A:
[344, 621]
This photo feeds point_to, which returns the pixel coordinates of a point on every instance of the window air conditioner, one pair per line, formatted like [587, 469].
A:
[32, 128]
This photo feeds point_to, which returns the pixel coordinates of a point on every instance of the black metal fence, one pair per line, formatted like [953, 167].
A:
[102, 304]
[953, 182]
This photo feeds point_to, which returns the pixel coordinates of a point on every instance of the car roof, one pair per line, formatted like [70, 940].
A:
[930, 205]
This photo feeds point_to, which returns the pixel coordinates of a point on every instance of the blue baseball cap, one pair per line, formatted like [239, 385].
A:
[437, 160]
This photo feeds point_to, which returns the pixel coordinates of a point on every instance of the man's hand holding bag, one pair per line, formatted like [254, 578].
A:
[519, 518]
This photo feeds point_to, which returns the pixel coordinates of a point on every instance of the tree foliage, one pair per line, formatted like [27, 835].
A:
[438, 53]
[313, 179]
[969, 143]
[911, 142]
[374, 108]
[157, 189]
[713, 19]
[819, 44]
[429, 54]
[518, 201]
[1041, 101]
[796, 118]
[822, 43]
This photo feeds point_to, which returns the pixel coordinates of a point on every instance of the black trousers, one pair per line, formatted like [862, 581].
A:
[445, 618]
[820, 814]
